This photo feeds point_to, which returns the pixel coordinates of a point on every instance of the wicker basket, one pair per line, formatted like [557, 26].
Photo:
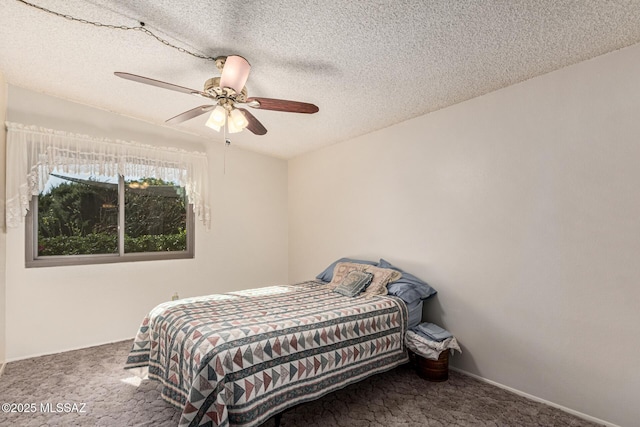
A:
[432, 370]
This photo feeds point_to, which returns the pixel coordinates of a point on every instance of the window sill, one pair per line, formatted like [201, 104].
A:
[68, 260]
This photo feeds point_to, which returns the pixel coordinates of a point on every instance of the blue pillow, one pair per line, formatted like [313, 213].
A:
[327, 274]
[405, 291]
[408, 287]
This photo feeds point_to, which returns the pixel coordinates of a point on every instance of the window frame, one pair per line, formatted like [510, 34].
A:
[31, 234]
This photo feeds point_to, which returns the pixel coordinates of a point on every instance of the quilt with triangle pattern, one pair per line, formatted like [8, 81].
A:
[237, 359]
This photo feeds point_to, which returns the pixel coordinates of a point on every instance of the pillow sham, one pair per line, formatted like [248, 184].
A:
[381, 277]
[327, 273]
[354, 283]
[341, 270]
[378, 285]
[408, 286]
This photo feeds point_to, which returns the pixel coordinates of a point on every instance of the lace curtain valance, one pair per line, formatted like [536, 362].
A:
[34, 152]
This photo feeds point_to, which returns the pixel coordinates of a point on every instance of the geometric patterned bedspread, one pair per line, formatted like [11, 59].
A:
[239, 358]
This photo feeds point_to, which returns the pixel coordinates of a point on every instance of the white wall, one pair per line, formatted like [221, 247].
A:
[60, 308]
[522, 208]
[3, 236]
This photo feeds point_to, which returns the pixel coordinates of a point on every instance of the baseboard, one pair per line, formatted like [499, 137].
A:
[536, 399]
[15, 359]
[2, 368]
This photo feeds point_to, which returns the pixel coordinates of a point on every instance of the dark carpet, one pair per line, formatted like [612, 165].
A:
[89, 387]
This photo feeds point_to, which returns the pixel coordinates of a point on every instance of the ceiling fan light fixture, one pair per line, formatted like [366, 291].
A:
[217, 118]
[235, 73]
[238, 119]
[232, 127]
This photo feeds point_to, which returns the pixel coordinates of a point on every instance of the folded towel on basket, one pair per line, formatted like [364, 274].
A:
[432, 331]
[428, 348]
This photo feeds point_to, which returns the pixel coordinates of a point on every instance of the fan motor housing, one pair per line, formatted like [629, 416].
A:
[212, 87]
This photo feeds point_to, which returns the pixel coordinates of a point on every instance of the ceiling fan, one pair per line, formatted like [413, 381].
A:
[229, 96]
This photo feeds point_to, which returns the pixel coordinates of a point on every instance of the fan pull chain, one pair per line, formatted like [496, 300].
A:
[227, 143]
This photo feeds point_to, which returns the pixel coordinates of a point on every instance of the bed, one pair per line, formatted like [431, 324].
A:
[239, 358]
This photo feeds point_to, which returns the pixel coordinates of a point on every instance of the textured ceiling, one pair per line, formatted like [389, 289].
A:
[366, 64]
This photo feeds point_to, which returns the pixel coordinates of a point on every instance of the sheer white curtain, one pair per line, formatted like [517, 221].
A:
[34, 152]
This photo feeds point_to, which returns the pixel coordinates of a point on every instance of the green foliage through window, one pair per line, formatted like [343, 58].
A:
[155, 216]
[80, 217]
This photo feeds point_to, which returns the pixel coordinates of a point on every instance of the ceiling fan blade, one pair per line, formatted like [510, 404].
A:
[158, 83]
[282, 105]
[254, 124]
[235, 73]
[188, 115]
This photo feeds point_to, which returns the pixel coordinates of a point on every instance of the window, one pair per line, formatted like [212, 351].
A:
[93, 200]
[85, 219]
